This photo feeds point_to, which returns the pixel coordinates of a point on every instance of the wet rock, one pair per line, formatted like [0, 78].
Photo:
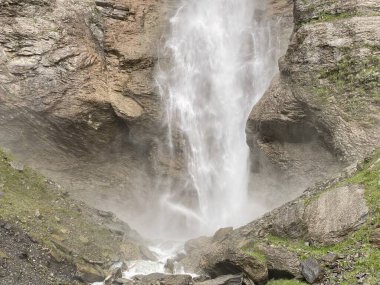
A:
[288, 220]
[221, 234]
[179, 256]
[147, 254]
[311, 270]
[169, 266]
[375, 238]
[115, 273]
[89, 274]
[123, 281]
[201, 278]
[224, 280]
[159, 278]
[197, 243]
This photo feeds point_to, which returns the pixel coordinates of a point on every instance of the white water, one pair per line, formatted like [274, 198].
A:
[218, 60]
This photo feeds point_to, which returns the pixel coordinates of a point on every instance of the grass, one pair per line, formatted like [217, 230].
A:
[328, 17]
[285, 282]
[257, 255]
[353, 84]
[356, 243]
[351, 73]
[61, 224]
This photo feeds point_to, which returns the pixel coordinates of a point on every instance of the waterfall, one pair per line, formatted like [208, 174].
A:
[217, 61]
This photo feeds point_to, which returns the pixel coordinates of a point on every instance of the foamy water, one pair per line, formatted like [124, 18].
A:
[218, 60]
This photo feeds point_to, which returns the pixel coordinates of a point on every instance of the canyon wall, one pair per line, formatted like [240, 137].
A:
[322, 111]
[78, 99]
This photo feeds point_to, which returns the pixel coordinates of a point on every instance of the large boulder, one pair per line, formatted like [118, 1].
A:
[336, 213]
[273, 246]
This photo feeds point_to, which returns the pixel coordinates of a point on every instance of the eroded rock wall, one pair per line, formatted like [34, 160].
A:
[322, 111]
[87, 63]
[77, 96]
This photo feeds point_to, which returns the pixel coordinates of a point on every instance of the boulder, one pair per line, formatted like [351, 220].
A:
[224, 280]
[225, 260]
[197, 243]
[159, 278]
[281, 262]
[221, 234]
[311, 270]
[169, 266]
[335, 213]
[89, 273]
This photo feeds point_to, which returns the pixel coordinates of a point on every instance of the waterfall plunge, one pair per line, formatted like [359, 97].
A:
[217, 61]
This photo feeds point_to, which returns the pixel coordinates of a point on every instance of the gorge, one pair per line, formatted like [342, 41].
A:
[180, 119]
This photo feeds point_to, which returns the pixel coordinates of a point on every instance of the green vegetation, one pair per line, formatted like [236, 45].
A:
[353, 84]
[328, 17]
[357, 244]
[285, 282]
[66, 227]
[256, 254]
[351, 73]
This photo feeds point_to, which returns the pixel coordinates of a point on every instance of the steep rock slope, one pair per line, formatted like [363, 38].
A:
[44, 231]
[322, 111]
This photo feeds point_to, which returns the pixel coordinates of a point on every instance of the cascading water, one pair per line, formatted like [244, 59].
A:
[217, 61]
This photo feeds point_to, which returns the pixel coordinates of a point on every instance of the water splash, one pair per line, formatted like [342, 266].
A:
[217, 62]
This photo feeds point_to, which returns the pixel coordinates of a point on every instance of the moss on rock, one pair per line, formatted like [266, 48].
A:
[357, 252]
[68, 228]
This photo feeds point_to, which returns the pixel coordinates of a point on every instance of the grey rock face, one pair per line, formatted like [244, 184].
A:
[224, 280]
[327, 218]
[336, 213]
[77, 100]
[222, 234]
[325, 214]
[281, 262]
[311, 270]
[321, 113]
[163, 279]
[71, 62]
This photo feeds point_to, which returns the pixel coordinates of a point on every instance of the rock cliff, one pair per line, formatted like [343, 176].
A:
[82, 63]
[322, 111]
[77, 97]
